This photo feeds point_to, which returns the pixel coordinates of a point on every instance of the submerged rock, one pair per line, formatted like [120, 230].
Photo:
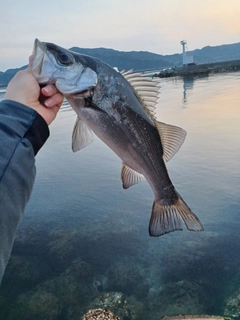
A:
[55, 298]
[24, 272]
[127, 308]
[127, 277]
[32, 238]
[232, 306]
[62, 248]
[99, 314]
[182, 297]
[39, 305]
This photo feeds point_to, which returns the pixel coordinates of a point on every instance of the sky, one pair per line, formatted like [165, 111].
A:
[156, 26]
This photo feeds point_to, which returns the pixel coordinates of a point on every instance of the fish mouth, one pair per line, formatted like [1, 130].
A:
[42, 66]
[39, 51]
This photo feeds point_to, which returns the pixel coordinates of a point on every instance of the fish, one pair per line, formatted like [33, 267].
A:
[119, 108]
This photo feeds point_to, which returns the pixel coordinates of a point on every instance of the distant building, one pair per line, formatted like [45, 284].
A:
[187, 60]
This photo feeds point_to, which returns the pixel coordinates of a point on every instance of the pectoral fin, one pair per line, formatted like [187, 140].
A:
[82, 135]
[130, 177]
[172, 138]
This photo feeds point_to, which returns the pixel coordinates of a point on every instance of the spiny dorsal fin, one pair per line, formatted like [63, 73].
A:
[146, 88]
[130, 177]
[82, 135]
[172, 138]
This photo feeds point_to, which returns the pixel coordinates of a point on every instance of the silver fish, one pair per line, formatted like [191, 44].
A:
[119, 108]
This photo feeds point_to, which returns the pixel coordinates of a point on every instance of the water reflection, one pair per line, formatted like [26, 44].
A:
[188, 83]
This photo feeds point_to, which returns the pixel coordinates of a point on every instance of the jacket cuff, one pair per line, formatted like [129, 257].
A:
[25, 123]
[38, 133]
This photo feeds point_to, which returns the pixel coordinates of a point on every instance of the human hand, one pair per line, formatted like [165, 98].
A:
[25, 89]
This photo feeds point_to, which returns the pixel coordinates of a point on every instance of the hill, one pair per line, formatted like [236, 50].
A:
[136, 60]
[6, 76]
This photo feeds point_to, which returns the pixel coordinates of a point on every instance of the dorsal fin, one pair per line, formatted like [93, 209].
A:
[172, 138]
[146, 88]
[130, 177]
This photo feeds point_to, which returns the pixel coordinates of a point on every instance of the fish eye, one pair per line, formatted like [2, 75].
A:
[65, 59]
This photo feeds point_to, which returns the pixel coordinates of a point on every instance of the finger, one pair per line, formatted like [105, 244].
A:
[54, 100]
[49, 90]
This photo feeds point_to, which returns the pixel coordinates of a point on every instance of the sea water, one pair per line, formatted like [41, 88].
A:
[79, 213]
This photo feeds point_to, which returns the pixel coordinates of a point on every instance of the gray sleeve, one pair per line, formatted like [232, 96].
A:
[22, 133]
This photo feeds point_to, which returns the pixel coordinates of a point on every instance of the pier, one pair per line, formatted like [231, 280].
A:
[198, 69]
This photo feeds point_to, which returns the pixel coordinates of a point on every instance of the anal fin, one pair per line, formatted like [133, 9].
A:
[130, 177]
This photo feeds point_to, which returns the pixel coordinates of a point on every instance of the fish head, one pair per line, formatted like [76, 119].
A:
[64, 68]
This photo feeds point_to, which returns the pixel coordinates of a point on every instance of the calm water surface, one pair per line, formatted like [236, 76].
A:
[81, 194]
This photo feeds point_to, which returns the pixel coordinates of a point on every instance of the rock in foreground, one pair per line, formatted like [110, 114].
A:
[99, 314]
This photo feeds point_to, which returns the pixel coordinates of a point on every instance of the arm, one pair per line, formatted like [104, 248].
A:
[23, 131]
[18, 125]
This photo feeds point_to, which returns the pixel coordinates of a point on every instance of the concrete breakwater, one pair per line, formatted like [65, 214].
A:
[206, 68]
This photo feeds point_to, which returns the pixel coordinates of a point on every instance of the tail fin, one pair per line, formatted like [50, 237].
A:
[166, 218]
